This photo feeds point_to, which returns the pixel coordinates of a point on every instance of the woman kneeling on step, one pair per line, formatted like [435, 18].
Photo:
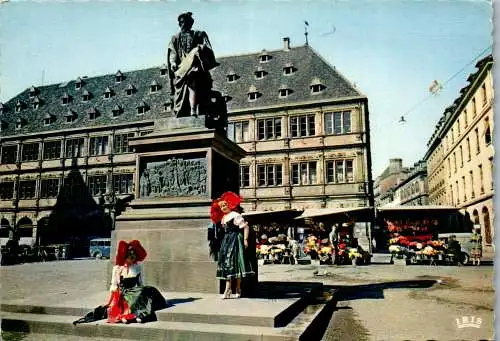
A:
[129, 299]
[232, 263]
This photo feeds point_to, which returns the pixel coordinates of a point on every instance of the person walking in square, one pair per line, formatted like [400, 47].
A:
[477, 248]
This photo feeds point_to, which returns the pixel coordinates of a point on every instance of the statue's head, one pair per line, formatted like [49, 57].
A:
[185, 21]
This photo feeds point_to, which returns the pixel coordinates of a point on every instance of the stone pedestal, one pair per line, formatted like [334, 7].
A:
[181, 167]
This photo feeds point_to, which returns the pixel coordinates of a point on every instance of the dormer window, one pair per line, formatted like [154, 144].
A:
[130, 90]
[117, 110]
[232, 77]
[70, 116]
[19, 123]
[167, 106]
[19, 106]
[154, 87]
[86, 96]
[119, 77]
[142, 108]
[33, 91]
[36, 103]
[108, 92]
[260, 73]
[316, 86]
[66, 98]
[163, 70]
[93, 113]
[78, 83]
[253, 94]
[289, 69]
[284, 91]
[265, 57]
[48, 119]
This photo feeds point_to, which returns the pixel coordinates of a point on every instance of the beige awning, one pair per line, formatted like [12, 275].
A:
[325, 212]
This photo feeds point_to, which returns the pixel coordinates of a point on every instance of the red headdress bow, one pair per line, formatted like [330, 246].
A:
[123, 246]
[232, 199]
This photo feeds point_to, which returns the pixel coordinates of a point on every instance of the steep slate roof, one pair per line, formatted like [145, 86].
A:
[308, 68]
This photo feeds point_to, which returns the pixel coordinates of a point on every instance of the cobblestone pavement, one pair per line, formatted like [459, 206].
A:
[374, 304]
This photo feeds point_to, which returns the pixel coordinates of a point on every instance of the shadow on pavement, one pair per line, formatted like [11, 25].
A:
[376, 291]
[176, 301]
[282, 290]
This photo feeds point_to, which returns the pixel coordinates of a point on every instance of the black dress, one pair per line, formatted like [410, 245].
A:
[232, 262]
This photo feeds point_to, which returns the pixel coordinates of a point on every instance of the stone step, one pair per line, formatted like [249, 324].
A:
[309, 324]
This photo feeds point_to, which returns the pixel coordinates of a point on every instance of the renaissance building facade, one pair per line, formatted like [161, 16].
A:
[460, 153]
[304, 126]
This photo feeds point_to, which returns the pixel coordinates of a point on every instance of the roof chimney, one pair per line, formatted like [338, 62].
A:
[286, 43]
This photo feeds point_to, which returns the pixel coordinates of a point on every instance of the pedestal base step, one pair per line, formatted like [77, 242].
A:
[196, 318]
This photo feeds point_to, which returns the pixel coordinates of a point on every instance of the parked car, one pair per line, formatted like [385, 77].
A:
[100, 248]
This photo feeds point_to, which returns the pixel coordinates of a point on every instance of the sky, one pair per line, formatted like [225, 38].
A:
[391, 50]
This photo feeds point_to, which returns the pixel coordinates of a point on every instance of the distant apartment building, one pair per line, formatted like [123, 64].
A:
[460, 153]
[386, 182]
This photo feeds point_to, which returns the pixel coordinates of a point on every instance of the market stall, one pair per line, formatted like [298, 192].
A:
[412, 233]
[338, 235]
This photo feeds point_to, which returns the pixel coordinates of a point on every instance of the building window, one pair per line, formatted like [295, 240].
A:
[253, 94]
[244, 176]
[304, 173]
[117, 110]
[268, 129]
[481, 179]
[487, 132]
[78, 84]
[466, 122]
[154, 87]
[33, 91]
[120, 143]
[74, 147]
[30, 152]
[284, 92]
[461, 153]
[452, 135]
[108, 93]
[288, 70]
[98, 145]
[471, 177]
[66, 98]
[6, 190]
[86, 96]
[52, 150]
[142, 108]
[238, 131]
[19, 106]
[232, 77]
[145, 132]
[474, 109]
[338, 122]
[123, 183]
[339, 171]
[264, 57]
[269, 175]
[130, 90]
[163, 70]
[9, 154]
[93, 113]
[449, 166]
[119, 77]
[96, 185]
[451, 195]
[478, 148]
[36, 103]
[49, 188]
[463, 187]
[458, 192]
[70, 116]
[48, 119]
[458, 128]
[259, 74]
[483, 94]
[27, 189]
[467, 141]
[301, 126]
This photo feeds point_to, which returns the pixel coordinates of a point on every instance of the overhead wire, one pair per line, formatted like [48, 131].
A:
[425, 99]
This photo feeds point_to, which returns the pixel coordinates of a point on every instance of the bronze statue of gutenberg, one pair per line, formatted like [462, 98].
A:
[189, 60]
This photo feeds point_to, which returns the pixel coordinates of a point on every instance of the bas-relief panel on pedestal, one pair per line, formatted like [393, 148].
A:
[174, 177]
